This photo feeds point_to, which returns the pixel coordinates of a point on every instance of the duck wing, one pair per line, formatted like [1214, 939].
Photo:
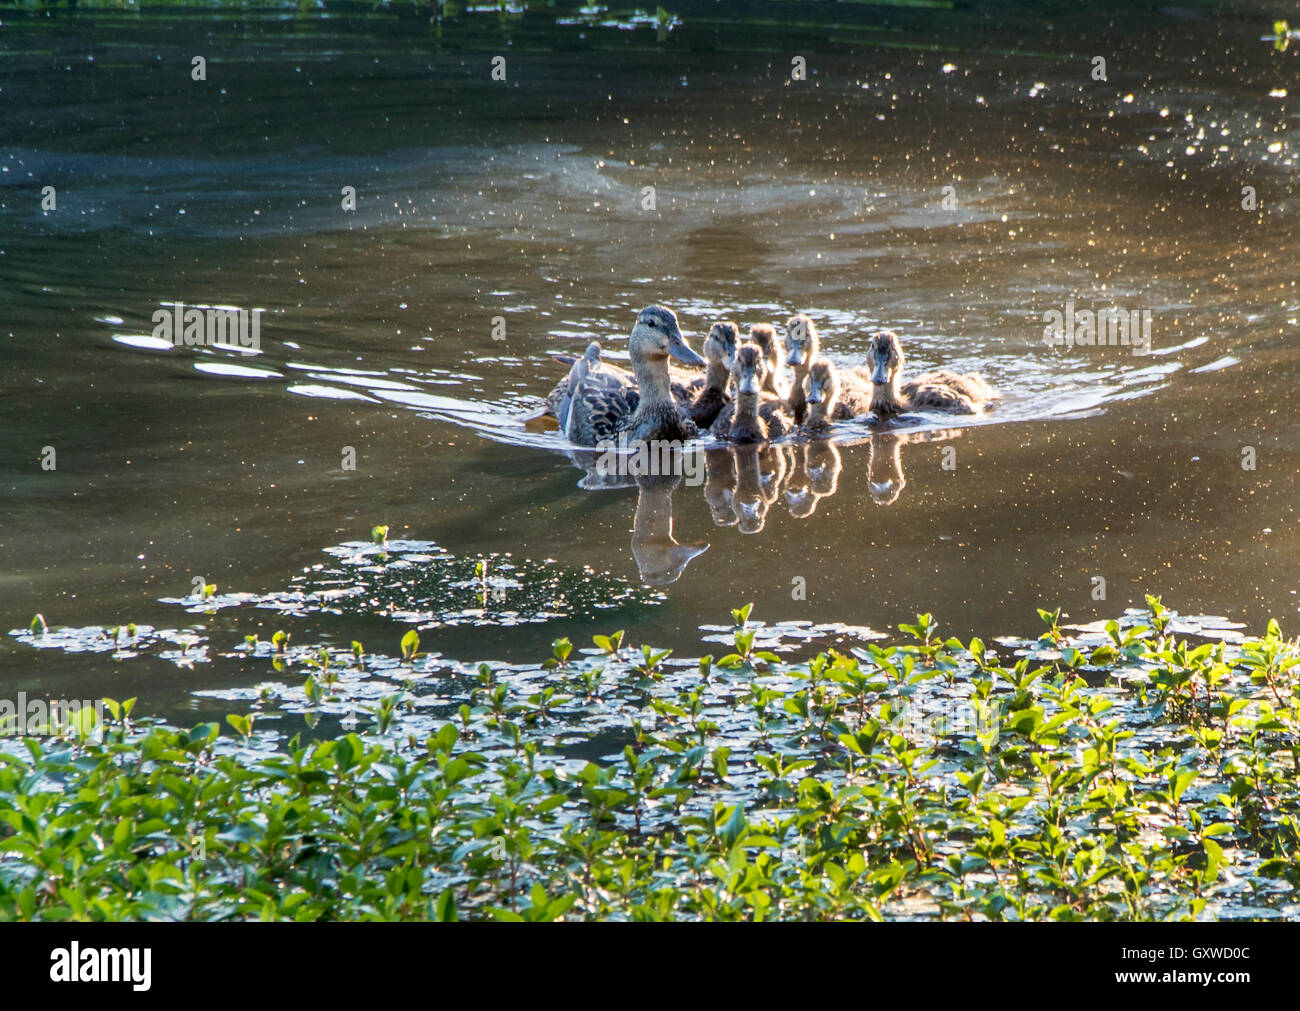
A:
[597, 410]
[585, 376]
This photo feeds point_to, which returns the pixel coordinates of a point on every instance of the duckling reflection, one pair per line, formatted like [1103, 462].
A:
[885, 477]
[815, 475]
[759, 475]
[885, 454]
[720, 485]
[660, 558]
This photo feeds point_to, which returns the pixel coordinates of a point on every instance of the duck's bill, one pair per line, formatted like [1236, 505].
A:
[748, 385]
[679, 349]
[878, 374]
[796, 355]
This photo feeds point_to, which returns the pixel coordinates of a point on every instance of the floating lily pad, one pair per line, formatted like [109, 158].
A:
[190, 647]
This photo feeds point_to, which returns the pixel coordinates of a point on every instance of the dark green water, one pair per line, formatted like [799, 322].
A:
[523, 199]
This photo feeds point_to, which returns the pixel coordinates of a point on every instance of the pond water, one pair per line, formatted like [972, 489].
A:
[485, 206]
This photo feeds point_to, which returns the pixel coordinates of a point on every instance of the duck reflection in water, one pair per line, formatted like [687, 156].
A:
[742, 483]
[885, 460]
[660, 558]
[815, 475]
[720, 485]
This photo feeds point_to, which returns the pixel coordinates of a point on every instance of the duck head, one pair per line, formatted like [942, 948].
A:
[822, 388]
[765, 336]
[884, 357]
[748, 371]
[657, 335]
[801, 336]
[720, 345]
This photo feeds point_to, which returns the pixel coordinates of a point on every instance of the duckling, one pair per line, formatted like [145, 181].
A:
[801, 338]
[805, 344]
[753, 416]
[937, 391]
[641, 409]
[827, 400]
[765, 336]
[711, 397]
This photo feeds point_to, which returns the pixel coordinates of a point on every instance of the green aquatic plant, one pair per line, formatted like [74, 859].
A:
[609, 644]
[560, 652]
[857, 783]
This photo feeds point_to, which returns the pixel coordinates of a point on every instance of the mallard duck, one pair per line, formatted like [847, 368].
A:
[775, 381]
[685, 386]
[828, 400]
[711, 396]
[752, 416]
[937, 391]
[642, 408]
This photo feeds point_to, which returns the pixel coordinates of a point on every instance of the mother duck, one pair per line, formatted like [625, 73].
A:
[602, 406]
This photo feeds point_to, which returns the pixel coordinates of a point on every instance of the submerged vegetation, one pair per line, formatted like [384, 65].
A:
[1145, 768]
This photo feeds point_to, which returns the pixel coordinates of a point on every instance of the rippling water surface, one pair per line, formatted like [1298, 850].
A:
[525, 200]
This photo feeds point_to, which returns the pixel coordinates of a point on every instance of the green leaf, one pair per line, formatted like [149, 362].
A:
[1181, 782]
[455, 770]
[410, 644]
[1213, 859]
[734, 827]
[445, 908]
[85, 721]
